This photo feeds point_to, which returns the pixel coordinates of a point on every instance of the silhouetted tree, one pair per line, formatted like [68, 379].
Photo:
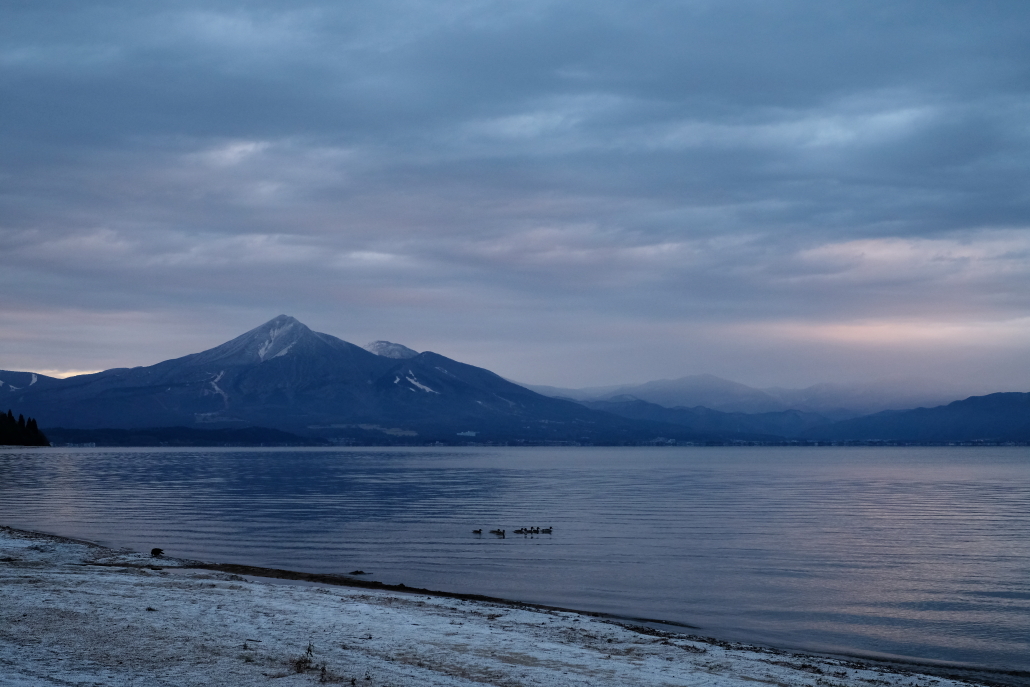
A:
[20, 432]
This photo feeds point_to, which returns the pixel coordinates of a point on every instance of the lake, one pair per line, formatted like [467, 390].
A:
[909, 552]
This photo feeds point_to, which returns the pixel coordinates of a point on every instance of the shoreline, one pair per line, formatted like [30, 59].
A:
[468, 638]
[640, 623]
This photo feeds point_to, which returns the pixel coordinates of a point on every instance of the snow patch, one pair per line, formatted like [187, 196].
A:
[218, 389]
[273, 336]
[388, 349]
[34, 380]
[412, 380]
[284, 351]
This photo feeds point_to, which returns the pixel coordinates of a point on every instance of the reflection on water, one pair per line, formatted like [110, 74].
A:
[918, 552]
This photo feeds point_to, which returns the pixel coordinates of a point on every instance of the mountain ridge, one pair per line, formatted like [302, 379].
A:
[282, 375]
[993, 418]
[834, 400]
[388, 349]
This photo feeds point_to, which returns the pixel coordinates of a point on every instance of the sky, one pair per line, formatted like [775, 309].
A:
[568, 193]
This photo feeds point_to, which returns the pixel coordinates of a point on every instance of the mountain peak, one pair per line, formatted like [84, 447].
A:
[388, 349]
[279, 335]
[273, 339]
[282, 321]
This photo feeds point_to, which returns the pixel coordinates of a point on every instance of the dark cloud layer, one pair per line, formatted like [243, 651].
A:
[568, 193]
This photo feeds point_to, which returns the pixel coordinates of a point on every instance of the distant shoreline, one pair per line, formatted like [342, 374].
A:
[712, 444]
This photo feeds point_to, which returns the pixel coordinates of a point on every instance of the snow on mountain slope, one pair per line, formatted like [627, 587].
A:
[285, 376]
[12, 381]
[389, 349]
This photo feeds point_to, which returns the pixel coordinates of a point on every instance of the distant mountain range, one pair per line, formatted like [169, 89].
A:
[284, 376]
[833, 401]
[995, 418]
[789, 424]
[283, 383]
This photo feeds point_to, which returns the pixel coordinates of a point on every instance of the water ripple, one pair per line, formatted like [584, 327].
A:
[918, 552]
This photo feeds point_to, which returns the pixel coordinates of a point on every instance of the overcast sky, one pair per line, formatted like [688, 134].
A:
[780, 192]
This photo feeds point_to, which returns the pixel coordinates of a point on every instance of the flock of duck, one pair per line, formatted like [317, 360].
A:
[525, 531]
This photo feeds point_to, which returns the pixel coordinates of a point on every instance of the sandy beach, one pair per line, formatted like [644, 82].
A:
[75, 613]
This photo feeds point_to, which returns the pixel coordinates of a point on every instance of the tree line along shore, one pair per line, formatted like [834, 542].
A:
[20, 431]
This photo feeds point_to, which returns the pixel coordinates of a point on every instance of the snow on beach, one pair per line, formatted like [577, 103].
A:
[74, 613]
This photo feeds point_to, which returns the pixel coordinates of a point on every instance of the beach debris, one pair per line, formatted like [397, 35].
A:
[156, 552]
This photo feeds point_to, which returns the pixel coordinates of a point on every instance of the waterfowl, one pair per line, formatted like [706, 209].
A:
[477, 531]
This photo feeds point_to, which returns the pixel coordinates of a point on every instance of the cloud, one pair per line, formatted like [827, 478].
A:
[512, 181]
[989, 256]
[907, 333]
[63, 374]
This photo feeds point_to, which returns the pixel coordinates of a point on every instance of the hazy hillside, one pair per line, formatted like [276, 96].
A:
[785, 423]
[995, 418]
[834, 401]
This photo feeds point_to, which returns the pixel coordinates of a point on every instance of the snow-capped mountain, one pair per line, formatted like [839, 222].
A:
[388, 349]
[285, 376]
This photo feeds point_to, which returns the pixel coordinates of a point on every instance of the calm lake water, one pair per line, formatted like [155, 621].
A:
[913, 552]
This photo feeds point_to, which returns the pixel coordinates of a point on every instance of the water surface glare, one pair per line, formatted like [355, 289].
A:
[915, 552]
